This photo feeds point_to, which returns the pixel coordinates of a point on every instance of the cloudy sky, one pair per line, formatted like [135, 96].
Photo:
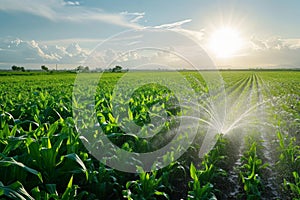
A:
[234, 34]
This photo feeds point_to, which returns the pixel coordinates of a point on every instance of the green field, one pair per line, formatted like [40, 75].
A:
[43, 144]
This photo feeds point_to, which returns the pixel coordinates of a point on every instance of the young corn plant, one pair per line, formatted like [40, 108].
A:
[250, 173]
[293, 187]
[201, 186]
[198, 190]
[69, 194]
[148, 187]
[289, 153]
[290, 159]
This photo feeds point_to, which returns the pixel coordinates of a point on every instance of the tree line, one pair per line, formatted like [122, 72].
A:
[77, 69]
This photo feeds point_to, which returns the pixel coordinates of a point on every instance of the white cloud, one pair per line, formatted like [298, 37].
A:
[173, 25]
[136, 19]
[197, 36]
[274, 43]
[19, 51]
[293, 43]
[72, 3]
[133, 17]
[57, 10]
[146, 58]
[257, 44]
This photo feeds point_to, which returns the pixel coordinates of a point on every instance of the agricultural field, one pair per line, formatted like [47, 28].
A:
[49, 146]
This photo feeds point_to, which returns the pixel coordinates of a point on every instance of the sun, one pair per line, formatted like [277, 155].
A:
[225, 42]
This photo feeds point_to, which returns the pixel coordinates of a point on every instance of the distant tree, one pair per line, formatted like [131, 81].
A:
[43, 67]
[79, 68]
[86, 69]
[82, 69]
[117, 69]
[16, 68]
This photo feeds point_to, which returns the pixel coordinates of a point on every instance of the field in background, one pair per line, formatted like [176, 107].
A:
[42, 155]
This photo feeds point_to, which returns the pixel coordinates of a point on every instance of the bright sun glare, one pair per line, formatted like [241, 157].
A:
[225, 42]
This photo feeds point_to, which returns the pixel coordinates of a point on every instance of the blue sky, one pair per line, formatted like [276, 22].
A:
[234, 34]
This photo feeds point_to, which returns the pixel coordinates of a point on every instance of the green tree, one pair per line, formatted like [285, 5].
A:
[79, 68]
[86, 69]
[14, 68]
[43, 67]
[117, 69]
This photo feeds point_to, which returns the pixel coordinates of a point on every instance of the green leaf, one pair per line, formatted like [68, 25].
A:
[130, 114]
[158, 193]
[193, 172]
[15, 191]
[111, 118]
[36, 193]
[12, 162]
[52, 129]
[70, 167]
[12, 144]
[68, 192]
